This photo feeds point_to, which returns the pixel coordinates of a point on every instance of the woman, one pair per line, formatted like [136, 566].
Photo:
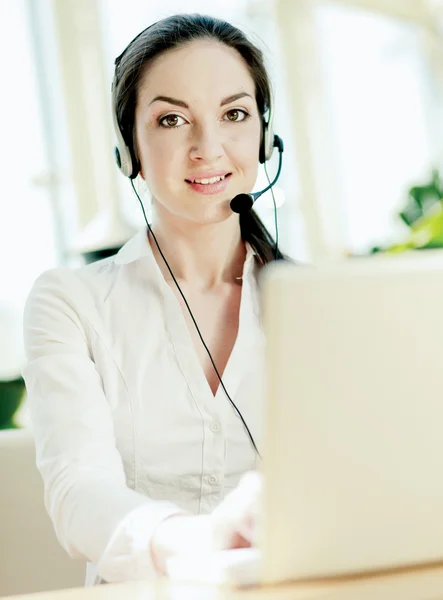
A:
[140, 445]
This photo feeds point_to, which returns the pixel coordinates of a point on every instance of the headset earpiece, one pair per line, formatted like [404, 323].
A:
[267, 144]
[122, 153]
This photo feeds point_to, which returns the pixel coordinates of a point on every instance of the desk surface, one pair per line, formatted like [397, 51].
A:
[414, 584]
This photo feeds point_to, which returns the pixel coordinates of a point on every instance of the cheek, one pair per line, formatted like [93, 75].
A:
[159, 155]
[156, 148]
[244, 145]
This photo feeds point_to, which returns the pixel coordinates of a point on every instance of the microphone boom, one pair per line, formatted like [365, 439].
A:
[242, 203]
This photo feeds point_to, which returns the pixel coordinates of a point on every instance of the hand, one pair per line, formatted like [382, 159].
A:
[233, 524]
[235, 520]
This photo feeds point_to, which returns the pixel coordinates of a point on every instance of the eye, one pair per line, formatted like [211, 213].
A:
[236, 114]
[171, 121]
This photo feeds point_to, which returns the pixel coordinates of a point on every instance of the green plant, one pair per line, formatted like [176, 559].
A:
[423, 214]
[11, 396]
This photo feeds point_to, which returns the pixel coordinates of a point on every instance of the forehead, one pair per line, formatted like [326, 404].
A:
[200, 70]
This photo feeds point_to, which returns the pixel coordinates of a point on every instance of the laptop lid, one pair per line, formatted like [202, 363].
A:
[353, 454]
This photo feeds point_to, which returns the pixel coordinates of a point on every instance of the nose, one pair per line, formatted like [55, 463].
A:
[207, 143]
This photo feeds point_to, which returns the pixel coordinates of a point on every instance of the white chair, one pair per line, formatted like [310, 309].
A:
[31, 559]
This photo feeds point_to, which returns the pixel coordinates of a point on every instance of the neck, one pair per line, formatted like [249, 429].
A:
[205, 255]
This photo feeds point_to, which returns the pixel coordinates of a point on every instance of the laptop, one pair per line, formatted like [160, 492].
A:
[353, 451]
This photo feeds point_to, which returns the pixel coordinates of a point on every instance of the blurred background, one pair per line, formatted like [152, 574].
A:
[359, 103]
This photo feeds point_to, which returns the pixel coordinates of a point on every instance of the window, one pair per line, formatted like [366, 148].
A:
[381, 102]
[27, 228]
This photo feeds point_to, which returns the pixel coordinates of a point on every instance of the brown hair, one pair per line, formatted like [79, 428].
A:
[173, 32]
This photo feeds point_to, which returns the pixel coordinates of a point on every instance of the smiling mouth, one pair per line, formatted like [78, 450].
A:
[210, 180]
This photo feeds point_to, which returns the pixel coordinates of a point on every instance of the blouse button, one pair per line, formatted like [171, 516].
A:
[213, 479]
[215, 427]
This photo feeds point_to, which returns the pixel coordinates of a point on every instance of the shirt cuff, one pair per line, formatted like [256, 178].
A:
[128, 553]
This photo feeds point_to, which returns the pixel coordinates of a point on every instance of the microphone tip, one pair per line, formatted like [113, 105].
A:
[242, 203]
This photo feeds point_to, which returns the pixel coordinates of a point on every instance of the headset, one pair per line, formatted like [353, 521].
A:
[129, 166]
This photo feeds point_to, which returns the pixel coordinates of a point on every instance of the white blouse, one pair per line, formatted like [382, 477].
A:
[127, 429]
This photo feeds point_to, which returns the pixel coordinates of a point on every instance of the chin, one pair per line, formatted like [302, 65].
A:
[213, 213]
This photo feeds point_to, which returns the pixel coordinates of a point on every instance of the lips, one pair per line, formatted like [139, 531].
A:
[211, 185]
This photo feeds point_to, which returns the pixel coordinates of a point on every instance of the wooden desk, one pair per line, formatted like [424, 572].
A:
[413, 584]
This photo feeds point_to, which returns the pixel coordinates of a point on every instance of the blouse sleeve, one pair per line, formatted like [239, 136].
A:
[95, 515]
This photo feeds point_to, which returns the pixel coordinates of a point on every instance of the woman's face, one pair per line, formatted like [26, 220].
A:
[198, 130]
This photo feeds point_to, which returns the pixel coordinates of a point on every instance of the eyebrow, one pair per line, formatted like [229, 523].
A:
[177, 102]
